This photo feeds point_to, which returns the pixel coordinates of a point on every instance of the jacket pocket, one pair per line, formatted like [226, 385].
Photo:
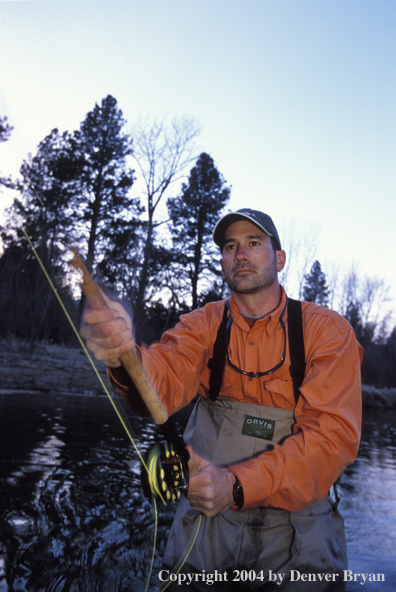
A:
[281, 392]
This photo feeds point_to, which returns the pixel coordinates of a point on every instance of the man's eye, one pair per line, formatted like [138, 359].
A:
[230, 247]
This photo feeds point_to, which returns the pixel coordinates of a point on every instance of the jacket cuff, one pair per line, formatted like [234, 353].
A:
[118, 376]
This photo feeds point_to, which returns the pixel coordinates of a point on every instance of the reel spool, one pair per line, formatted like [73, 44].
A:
[167, 472]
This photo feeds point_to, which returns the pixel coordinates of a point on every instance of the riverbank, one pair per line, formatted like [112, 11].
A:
[45, 368]
[51, 368]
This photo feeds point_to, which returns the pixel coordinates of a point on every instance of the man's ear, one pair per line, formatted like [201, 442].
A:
[280, 260]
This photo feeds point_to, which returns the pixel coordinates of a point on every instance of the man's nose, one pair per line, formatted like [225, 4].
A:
[241, 253]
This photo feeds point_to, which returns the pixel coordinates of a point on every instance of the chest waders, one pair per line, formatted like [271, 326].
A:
[263, 544]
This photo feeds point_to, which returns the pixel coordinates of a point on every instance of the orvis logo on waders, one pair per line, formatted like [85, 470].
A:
[258, 427]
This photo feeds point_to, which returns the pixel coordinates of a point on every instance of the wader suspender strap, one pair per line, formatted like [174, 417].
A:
[296, 345]
[296, 349]
[217, 363]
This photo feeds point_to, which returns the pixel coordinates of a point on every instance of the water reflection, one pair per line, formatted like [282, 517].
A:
[72, 514]
[73, 518]
[369, 504]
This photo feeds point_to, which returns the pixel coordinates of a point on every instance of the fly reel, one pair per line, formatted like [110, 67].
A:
[166, 476]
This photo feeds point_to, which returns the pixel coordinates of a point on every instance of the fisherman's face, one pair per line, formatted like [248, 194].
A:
[249, 262]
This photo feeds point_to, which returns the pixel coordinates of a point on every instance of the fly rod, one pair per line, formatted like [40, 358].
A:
[167, 463]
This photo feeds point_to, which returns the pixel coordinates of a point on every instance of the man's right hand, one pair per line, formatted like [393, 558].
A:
[108, 332]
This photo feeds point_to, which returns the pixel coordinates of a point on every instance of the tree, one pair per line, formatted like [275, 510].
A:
[300, 244]
[5, 129]
[40, 210]
[193, 217]
[99, 179]
[370, 296]
[315, 286]
[121, 260]
[30, 311]
[29, 306]
[162, 152]
[390, 357]
[354, 317]
[5, 132]
[75, 191]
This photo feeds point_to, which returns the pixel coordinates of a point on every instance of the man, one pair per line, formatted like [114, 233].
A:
[265, 460]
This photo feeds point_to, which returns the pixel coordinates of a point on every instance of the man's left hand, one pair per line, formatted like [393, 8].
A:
[210, 488]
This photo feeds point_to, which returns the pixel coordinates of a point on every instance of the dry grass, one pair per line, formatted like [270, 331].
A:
[375, 397]
[47, 367]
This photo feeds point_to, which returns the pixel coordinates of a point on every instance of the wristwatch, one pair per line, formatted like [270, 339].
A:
[237, 493]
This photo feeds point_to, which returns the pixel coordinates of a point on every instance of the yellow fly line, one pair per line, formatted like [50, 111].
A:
[152, 466]
[120, 414]
[123, 420]
[184, 556]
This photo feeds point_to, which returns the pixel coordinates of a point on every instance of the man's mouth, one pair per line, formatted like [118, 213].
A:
[243, 270]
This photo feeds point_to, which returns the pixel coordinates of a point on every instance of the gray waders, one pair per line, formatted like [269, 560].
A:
[256, 545]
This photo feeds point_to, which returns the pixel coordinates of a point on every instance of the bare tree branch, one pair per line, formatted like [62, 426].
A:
[163, 152]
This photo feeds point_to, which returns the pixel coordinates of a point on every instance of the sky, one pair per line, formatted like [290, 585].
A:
[296, 99]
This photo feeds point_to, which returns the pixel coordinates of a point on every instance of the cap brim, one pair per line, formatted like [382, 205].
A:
[227, 220]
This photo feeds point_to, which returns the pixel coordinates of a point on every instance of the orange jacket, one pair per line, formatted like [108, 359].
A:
[326, 434]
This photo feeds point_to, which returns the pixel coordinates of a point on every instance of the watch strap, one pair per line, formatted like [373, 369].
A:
[237, 493]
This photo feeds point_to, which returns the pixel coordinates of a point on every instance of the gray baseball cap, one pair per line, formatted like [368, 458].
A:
[259, 219]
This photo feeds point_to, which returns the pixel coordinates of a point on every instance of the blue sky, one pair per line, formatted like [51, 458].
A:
[296, 99]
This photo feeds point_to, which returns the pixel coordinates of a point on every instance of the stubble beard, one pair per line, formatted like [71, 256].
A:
[255, 282]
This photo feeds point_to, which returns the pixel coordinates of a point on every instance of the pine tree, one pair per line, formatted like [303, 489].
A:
[5, 132]
[99, 179]
[76, 188]
[29, 306]
[315, 286]
[193, 216]
[75, 192]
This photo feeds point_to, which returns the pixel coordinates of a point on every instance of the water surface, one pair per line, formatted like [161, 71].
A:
[73, 517]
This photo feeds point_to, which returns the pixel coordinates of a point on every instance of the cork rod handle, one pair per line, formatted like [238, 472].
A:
[129, 360]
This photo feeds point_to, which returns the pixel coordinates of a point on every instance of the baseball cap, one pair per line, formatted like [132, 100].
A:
[259, 219]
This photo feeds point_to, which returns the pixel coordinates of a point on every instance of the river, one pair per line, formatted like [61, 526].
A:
[73, 518]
